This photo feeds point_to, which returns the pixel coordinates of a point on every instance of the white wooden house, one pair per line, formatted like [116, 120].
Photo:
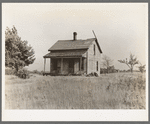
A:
[74, 56]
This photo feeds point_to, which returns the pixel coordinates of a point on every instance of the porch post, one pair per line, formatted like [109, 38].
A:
[80, 63]
[44, 64]
[50, 65]
[61, 65]
[87, 62]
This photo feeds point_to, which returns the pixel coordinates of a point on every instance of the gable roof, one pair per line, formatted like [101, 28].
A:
[73, 44]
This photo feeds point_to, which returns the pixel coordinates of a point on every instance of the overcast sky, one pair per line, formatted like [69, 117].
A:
[121, 28]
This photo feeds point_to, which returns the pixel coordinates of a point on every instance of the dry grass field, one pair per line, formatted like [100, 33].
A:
[111, 91]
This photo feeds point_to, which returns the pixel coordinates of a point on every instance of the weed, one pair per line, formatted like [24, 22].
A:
[112, 91]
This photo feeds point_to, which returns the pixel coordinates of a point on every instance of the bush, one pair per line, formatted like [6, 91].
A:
[92, 74]
[79, 73]
[36, 72]
[42, 72]
[23, 73]
[9, 71]
[95, 74]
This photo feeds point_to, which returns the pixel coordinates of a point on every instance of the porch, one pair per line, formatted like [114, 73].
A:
[64, 63]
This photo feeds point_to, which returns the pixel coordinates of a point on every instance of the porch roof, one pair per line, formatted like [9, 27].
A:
[66, 53]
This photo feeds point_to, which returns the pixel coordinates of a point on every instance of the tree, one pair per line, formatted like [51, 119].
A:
[131, 63]
[141, 68]
[107, 62]
[111, 69]
[17, 52]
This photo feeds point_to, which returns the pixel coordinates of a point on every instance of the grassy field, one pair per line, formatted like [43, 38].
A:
[111, 91]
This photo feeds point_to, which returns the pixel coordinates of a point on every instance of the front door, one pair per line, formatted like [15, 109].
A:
[55, 64]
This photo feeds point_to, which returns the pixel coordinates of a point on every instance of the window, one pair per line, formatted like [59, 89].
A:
[97, 65]
[94, 49]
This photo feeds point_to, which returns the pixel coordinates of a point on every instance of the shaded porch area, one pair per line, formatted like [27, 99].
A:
[67, 62]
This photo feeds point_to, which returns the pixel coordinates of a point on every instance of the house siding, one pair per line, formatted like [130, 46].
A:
[92, 59]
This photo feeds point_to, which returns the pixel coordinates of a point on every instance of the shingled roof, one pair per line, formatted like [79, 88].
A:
[73, 44]
[66, 53]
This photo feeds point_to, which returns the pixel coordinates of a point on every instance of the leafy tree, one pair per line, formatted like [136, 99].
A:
[17, 52]
[131, 63]
[106, 62]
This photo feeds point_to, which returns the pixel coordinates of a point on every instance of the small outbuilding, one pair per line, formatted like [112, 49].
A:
[74, 56]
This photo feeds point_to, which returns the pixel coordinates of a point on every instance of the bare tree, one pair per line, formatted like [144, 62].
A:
[106, 62]
[131, 63]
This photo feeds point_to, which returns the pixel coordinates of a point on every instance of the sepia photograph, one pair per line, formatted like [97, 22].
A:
[70, 57]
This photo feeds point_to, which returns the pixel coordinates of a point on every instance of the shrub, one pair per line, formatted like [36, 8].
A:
[23, 73]
[92, 74]
[35, 71]
[9, 71]
[95, 74]
[42, 72]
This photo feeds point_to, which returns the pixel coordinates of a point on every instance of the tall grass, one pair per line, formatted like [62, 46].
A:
[112, 91]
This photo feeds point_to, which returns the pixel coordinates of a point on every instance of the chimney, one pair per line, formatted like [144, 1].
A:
[74, 35]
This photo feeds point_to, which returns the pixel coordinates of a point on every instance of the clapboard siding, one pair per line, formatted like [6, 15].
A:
[92, 59]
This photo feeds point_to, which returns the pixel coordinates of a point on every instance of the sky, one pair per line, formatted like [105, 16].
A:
[121, 28]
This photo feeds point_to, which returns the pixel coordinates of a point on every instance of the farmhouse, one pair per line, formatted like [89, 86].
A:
[74, 56]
